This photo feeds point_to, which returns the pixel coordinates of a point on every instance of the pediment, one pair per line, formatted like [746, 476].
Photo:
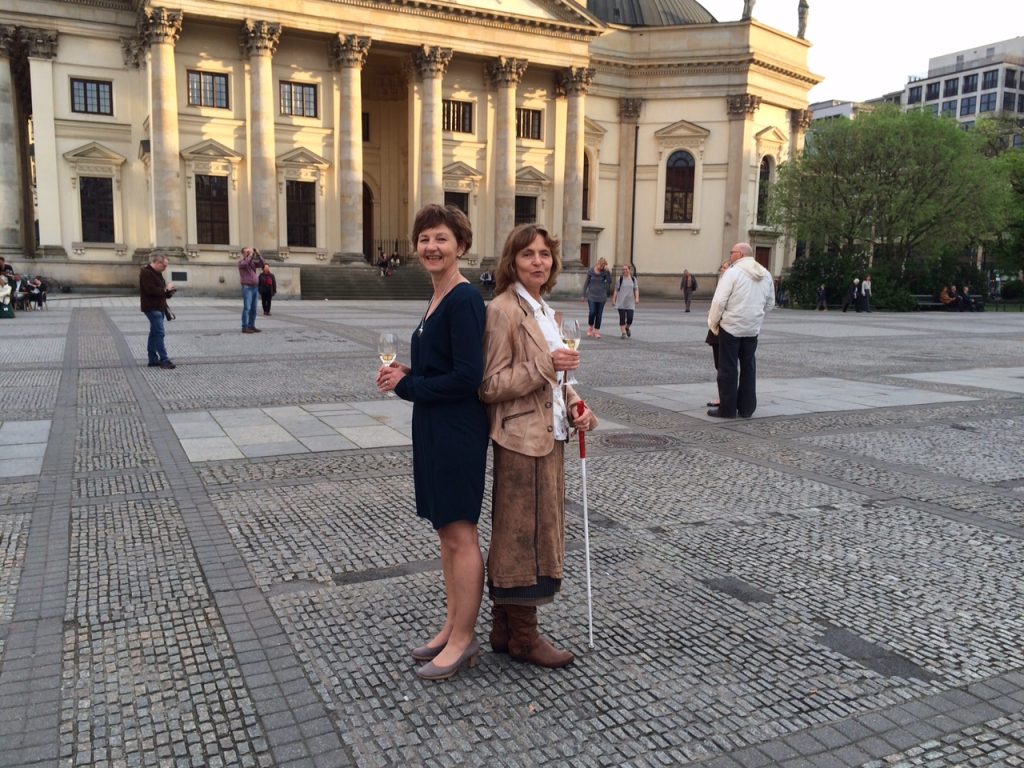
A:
[528, 13]
[530, 175]
[771, 135]
[94, 152]
[210, 150]
[302, 157]
[593, 128]
[683, 129]
[460, 171]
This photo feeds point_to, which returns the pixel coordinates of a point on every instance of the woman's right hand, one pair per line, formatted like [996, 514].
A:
[565, 360]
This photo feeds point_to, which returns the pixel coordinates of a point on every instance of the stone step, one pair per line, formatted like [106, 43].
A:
[360, 281]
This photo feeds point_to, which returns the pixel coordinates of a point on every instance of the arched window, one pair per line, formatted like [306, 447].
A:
[586, 187]
[764, 181]
[679, 188]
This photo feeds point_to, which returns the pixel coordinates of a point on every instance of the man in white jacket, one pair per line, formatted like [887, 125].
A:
[744, 294]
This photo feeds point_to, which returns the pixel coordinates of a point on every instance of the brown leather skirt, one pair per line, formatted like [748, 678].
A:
[527, 550]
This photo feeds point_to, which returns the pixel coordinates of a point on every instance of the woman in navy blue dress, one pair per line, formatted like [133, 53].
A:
[449, 430]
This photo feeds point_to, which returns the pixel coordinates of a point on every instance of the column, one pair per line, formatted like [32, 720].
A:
[741, 108]
[348, 53]
[799, 123]
[160, 30]
[575, 82]
[506, 74]
[11, 215]
[41, 47]
[259, 42]
[629, 118]
[431, 63]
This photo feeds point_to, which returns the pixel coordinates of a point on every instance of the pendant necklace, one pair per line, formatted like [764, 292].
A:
[419, 331]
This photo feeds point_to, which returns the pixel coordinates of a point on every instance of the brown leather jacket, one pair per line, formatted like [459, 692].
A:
[153, 293]
[518, 377]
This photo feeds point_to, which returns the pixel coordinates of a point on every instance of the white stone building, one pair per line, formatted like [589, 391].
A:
[314, 129]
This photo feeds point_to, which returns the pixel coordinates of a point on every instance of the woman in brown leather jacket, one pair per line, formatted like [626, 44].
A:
[531, 415]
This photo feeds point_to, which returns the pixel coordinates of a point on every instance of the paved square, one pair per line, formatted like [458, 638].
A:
[221, 565]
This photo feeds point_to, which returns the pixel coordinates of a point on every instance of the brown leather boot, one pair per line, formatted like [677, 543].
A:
[499, 629]
[526, 644]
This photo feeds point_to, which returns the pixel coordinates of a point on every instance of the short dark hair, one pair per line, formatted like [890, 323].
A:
[434, 215]
[518, 239]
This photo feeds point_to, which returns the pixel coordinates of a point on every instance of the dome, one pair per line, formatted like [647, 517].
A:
[650, 13]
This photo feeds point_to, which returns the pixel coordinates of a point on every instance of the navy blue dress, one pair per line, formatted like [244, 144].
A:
[449, 423]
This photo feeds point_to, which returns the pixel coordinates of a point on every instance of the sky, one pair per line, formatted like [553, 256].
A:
[865, 48]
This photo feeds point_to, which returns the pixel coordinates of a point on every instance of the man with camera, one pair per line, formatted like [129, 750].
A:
[249, 267]
[154, 292]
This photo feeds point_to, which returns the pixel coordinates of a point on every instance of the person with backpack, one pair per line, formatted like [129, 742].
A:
[625, 299]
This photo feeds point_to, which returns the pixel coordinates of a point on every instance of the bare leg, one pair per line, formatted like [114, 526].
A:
[441, 638]
[464, 585]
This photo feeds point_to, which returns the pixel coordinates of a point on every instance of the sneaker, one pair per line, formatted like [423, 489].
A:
[167, 364]
[622, 335]
[628, 333]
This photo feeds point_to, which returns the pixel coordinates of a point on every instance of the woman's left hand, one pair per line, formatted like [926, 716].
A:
[389, 375]
[584, 422]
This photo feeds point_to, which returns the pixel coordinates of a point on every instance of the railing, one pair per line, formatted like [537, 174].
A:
[391, 245]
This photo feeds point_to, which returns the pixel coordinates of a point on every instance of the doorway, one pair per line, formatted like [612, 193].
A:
[367, 222]
[763, 256]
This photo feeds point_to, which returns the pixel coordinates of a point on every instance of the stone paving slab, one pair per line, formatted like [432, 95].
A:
[831, 583]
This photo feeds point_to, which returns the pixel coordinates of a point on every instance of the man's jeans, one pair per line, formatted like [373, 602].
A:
[155, 349]
[249, 295]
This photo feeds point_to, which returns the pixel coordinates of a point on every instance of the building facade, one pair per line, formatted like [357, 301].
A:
[314, 130]
[972, 84]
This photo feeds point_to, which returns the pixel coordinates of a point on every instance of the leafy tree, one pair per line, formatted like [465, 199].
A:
[903, 185]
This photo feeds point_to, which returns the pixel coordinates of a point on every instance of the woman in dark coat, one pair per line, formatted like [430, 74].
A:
[531, 414]
[267, 284]
[449, 430]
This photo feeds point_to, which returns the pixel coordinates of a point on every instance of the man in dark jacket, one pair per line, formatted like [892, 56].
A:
[153, 295]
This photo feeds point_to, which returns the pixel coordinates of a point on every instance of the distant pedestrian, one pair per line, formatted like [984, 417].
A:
[712, 338]
[852, 295]
[744, 295]
[268, 288]
[249, 267]
[865, 290]
[688, 285]
[154, 292]
[625, 299]
[595, 293]
[822, 298]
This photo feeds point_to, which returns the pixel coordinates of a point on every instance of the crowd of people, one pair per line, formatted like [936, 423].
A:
[961, 299]
[19, 292]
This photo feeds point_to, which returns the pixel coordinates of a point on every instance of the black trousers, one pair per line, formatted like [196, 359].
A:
[737, 374]
[266, 298]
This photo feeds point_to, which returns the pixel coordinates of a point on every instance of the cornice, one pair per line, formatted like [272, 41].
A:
[699, 67]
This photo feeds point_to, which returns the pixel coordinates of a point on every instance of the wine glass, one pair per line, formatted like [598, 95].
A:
[387, 351]
[570, 332]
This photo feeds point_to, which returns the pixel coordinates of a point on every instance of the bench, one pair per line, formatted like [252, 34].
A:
[927, 303]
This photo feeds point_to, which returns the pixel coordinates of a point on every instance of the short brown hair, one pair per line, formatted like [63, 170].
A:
[434, 215]
[518, 239]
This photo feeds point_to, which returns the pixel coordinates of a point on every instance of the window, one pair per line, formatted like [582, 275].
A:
[212, 210]
[1008, 101]
[457, 116]
[988, 102]
[526, 209]
[298, 99]
[1011, 78]
[966, 126]
[97, 199]
[1020, 102]
[459, 199]
[300, 199]
[967, 105]
[932, 108]
[970, 85]
[528, 124]
[914, 97]
[94, 97]
[764, 180]
[949, 108]
[679, 188]
[950, 88]
[208, 89]
[931, 91]
[586, 187]
[990, 79]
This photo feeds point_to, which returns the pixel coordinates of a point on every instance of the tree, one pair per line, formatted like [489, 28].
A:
[1001, 140]
[895, 185]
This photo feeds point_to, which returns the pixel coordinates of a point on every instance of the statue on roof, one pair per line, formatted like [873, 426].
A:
[801, 14]
[748, 10]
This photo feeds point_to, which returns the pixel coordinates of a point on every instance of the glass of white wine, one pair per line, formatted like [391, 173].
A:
[570, 331]
[387, 351]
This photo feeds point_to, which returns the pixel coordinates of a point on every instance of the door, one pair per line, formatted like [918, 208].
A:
[763, 256]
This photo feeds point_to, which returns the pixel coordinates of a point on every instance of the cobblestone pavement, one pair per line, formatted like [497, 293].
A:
[220, 565]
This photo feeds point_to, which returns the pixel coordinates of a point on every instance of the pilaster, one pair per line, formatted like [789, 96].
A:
[259, 42]
[11, 211]
[574, 82]
[505, 74]
[348, 55]
[431, 64]
[629, 119]
[741, 109]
